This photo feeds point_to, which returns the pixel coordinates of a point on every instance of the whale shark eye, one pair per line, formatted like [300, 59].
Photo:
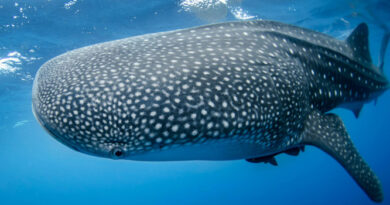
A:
[117, 153]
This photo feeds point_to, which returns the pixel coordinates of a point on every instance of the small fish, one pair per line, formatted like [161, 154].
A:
[235, 90]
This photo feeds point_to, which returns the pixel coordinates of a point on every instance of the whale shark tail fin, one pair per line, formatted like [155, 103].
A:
[358, 41]
[327, 132]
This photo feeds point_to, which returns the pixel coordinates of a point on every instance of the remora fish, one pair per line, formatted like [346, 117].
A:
[237, 90]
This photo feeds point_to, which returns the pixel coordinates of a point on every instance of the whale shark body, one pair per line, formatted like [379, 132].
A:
[235, 90]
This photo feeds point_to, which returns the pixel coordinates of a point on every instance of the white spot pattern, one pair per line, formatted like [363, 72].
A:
[248, 81]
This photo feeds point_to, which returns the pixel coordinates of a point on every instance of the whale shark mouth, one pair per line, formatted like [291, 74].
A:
[52, 133]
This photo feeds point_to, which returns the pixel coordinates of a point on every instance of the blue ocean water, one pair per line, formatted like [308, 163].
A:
[36, 169]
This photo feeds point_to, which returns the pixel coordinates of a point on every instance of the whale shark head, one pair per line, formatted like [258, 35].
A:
[91, 130]
[107, 149]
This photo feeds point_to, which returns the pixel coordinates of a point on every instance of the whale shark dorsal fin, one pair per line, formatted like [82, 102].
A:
[327, 132]
[358, 41]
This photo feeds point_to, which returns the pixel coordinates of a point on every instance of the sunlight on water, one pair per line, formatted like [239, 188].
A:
[14, 62]
[20, 123]
[241, 14]
[208, 10]
[215, 10]
[70, 4]
[10, 63]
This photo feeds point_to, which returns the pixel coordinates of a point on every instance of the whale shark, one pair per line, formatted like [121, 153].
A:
[227, 91]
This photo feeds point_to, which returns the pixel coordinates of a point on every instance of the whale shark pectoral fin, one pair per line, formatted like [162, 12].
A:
[294, 151]
[266, 159]
[271, 158]
[327, 132]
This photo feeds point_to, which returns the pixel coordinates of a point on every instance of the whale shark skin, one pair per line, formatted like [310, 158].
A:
[236, 90]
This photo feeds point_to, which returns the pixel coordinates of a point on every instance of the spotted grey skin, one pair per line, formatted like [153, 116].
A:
[238, 90]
